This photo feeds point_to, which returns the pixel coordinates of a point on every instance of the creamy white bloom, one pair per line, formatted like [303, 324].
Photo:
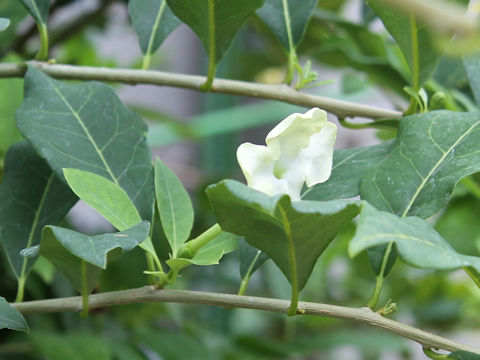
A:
[299, 150]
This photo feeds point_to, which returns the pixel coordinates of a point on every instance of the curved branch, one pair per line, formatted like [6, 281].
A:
[150, 294]
[275, 92]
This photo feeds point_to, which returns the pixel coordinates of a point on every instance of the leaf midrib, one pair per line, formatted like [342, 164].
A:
[87, 132]
[161, 10]
[34, 3]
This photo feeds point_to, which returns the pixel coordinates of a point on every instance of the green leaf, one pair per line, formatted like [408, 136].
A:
[463, 355]
[38, 9]
[86, 126]
[174, 206]
[4, 23]
[472, 67]
[432, 152]
[153, 22]
[109, 199]
[67, 248]
[215, 22]
[75, 346]
[11, 95]
[349, 167]
[287, 16]
[31, 196]
[209, 254]
[417, 243]
[11, 318]
[293, 234]
[250, 258]
[413, 38]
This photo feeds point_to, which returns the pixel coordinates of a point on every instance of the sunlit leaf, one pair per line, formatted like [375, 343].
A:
[108, 198]
[174, 206]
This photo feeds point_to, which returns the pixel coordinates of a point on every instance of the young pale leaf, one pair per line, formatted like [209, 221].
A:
[31, 196]
[286, 17]
[4, 23]
[38, 9]
[291, 233]
[215, 22]
[153, 22]
[349, 167]
[417, 243]
[432, 152]
[67, 248]
[109, 199]
[250, 258]
[414, 39]
[174, 206]
[210, 254]
[11, 318]
[472, 67]
[86, 126]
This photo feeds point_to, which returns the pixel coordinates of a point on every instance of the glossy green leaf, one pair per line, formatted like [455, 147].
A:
[209, 254]
[417, 243]
[108, 198]
[4, 23]
[214, 21]
[67, 248]
[31, 196]
[250, 258]
[349, 167]
[153, 22]
[86, 126]
[472, 67]
[11, 318]
[414, 39]
[294, 233]
[432, 152]
[174, 206]
[72, 346]
[287, 16]
[463, 355]
[38, 9]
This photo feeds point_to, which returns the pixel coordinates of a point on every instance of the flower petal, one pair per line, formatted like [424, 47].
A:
[319, 155]
[257, 162]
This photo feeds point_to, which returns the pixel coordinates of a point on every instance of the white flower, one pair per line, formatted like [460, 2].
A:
[299, 149]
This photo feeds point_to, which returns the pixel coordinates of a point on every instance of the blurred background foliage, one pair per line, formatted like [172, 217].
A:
[199, 142]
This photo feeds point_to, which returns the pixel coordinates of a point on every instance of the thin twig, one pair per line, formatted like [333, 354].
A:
[275, 92]
[150, 294]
